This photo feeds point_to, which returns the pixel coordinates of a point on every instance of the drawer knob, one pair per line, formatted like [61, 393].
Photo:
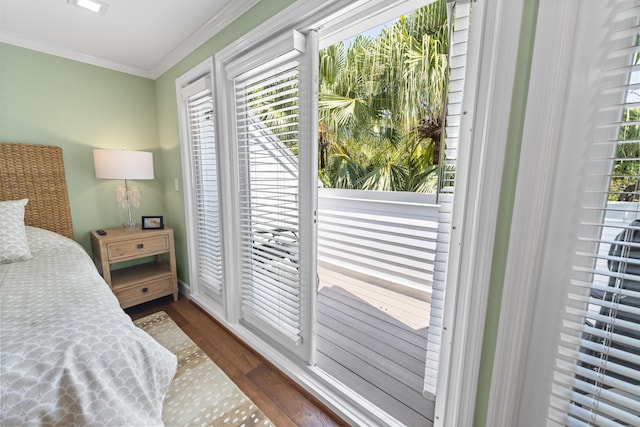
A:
[145, 290]
[140, 245]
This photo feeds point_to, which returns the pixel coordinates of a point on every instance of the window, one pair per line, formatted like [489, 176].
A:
[201, 176]
[267, 94]
[597, 371]
[566, 345]
[257, 229]
[267, 129]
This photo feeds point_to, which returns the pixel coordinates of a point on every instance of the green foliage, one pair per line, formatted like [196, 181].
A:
[382, 105]
[624, 182]
[273, 101]
[624, 185]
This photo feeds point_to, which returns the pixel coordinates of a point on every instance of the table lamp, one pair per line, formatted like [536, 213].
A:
[124, 164]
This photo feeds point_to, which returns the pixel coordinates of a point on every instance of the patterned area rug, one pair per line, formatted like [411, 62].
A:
[200, 394]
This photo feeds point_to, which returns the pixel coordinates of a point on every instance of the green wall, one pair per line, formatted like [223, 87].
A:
[46, 99]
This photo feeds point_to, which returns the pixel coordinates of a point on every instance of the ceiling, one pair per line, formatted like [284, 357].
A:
[141, 37]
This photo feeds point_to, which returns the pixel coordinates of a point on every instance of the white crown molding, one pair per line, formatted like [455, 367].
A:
[302, 15]
[219, 21]
[75, 56]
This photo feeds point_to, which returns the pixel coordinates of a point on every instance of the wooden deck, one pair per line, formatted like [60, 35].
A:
[373, 340]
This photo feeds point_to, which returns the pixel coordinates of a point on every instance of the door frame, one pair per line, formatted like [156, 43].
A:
[494, 45]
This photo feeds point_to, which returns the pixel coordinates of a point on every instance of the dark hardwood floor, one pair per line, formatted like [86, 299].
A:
[284, 402]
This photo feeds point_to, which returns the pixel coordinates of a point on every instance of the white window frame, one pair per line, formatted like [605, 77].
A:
[205, 68]
[543, 229]
[493, 47]
[552, 58]
[276, 50]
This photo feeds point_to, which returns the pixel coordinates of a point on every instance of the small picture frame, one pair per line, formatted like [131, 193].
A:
[152, 223]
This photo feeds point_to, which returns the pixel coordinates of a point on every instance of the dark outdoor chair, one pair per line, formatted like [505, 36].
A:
[277, 245]
[626, 263]
[624, 260]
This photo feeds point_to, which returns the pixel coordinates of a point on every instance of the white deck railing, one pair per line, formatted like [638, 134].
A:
[389, 238]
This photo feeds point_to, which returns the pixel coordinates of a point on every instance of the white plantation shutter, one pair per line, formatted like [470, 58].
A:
[274, 133]
[204, 180]
[596, 379]
[459, 17]
[267, 131]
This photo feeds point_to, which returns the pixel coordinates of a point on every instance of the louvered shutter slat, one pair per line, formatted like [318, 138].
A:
[597, 373]
[460, 18]
[267, 132]
[200, 119]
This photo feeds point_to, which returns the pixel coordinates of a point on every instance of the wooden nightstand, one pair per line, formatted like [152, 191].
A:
[139, 283]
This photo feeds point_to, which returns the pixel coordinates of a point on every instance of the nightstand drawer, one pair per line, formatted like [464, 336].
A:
[136, 248]
[141, 281]
[145, 291]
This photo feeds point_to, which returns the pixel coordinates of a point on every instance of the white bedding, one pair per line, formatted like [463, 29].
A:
[68, 354]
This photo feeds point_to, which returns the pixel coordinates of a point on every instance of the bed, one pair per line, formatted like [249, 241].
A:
[69, 355]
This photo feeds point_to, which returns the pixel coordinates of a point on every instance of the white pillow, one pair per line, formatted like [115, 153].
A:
[13, 238]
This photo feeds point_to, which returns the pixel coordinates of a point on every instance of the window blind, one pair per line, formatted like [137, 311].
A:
[596, 379]
[200, 117]
[459, 18]
[267, 138]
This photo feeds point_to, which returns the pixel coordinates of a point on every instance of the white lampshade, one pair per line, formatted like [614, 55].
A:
[123, 164]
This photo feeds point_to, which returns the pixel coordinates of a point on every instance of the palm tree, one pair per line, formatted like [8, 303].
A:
[382, 105]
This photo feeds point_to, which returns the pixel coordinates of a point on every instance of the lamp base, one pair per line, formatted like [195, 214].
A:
[129, 226]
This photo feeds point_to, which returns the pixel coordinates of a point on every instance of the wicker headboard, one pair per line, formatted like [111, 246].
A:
[36, 172]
